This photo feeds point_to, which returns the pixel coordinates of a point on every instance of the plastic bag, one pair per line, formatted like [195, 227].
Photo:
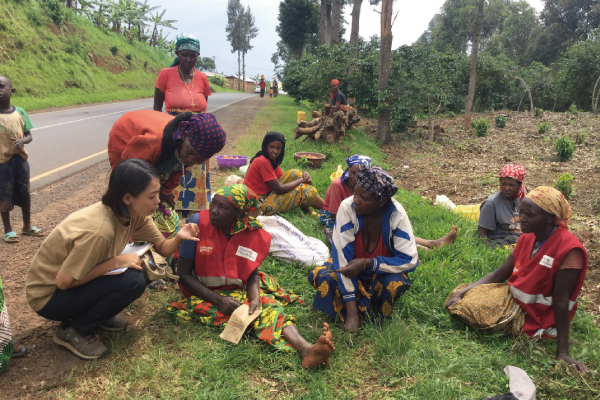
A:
[244, 169]
[291, 245]
[231, 179]
[339, 172]
[444, 201]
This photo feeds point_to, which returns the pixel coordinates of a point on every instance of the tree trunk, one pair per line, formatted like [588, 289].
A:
[69, 3]
[244, 71]
[336, 10]
[384, 129]
[324, 23]
[355, 22]
[529, 93]
[473, 76]
[239, 70]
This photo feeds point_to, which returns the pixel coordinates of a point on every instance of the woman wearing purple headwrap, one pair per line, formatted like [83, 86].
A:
[172, 144]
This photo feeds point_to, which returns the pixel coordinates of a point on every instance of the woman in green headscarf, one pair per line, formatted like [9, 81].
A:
[219, 272]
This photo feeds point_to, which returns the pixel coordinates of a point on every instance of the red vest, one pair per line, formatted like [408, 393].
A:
[227, 264]
[532, 280]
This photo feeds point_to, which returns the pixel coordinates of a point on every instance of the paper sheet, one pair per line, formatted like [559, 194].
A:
[140, 249]
[237, 324]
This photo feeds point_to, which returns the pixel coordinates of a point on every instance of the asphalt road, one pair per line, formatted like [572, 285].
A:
[68, 141]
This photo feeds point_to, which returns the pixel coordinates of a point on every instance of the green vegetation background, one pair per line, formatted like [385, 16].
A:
[421, 353]
[72, 64]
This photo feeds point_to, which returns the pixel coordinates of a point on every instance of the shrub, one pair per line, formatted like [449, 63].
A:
[145, 64]
[538, 112]
[580, 137]
[114, 50]
[55, 10]
[544, 127]
[501, 121]
[217, 80]
[74, 46]
[564, 184]
[128, 57]
[572, 110]
[481, 126]
[565, 148]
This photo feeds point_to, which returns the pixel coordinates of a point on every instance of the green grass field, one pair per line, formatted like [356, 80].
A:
[421, 353]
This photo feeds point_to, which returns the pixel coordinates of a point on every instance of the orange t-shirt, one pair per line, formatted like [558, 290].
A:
[259, 173]
[177, 95]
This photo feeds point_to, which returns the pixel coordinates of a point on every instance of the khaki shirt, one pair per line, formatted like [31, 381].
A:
[83, 240]
[13, 125]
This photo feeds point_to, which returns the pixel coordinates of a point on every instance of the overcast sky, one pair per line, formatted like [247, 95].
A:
[206, 19]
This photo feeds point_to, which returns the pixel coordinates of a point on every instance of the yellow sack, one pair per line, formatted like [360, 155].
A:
[301, 116]
[337, 173]
[471, 211]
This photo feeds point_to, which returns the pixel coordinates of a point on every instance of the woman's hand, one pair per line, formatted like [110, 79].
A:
[306, 178]
[189, 232]
[131, 260]
[254, 305]
[354, 268]
[167, 198]
[579, 366]
[19, 143]
[227, 305]
[456, 298]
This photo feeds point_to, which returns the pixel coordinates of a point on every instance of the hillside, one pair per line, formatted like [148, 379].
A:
[73, 62]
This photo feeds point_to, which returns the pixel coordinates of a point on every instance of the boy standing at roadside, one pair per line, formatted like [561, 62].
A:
[15, 133]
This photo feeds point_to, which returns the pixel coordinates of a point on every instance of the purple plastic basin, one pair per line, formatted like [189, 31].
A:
[231, 162]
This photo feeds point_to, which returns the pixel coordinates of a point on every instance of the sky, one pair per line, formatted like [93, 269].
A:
[206, 19]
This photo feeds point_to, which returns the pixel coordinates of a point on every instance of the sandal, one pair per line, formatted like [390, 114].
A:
[158, 285]
[11, 237]
[33, 231]
[19, 353]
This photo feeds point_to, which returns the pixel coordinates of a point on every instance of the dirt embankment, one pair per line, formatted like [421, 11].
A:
[46, 365]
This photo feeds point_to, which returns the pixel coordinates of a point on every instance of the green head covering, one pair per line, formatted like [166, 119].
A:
[243, 198]
[186, 42]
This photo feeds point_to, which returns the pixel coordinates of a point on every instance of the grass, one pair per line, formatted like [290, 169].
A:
[421, 353]
[52, 65]
[221, 89]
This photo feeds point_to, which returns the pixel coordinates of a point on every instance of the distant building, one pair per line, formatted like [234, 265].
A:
[236, 83]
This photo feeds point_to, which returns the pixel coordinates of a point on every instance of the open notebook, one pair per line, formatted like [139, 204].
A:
[140, 249]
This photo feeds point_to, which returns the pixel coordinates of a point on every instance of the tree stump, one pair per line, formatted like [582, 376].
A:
[327, 125]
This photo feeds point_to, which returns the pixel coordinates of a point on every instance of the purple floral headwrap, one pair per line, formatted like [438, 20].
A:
[204, 133]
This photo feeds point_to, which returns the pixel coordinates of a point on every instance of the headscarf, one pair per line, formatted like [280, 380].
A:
[243, 198]
[204, 133]
[186, 42]
[356, 159]
[334, 82]
[376, 181]
[516, 172]
[271, 137]
[552, 201]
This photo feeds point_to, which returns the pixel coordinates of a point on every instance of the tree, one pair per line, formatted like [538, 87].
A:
[205, 64]
[249, 32]
[234, 29]
[330, 21]
[356, 4]
[298, 23]
[473, 74]
[384, 129]
[157, 20]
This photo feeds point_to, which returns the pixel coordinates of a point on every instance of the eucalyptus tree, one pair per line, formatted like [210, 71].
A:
[234, 29]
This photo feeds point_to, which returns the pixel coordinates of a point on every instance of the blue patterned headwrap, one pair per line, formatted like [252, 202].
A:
[186, 42]
[376, 181]
[356, 159]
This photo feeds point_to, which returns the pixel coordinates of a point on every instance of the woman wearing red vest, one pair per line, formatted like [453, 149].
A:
[545, 273]
[219, 273]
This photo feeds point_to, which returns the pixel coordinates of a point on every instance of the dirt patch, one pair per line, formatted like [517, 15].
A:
[46, 365]
[465, 168]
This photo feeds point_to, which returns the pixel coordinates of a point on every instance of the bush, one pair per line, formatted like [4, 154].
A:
[74, 46]
[55, 10]
[544, 127]
[580, 137]
[217, 80]
[114, 50]
[128, 57]
[572, 110]
[564, 184]
[501, 121]
[481, 127]
[565, 148]
[538, 112]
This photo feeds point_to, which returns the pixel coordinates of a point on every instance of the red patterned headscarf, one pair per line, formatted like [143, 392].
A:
[334, 82]
[204, 133]
[552, 201]
[516, 172]
[243, 198]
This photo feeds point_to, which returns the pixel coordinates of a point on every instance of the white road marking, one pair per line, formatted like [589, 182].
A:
[85, 119]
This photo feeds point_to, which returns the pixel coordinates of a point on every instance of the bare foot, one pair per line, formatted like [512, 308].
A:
[319, 353]
[447, 239]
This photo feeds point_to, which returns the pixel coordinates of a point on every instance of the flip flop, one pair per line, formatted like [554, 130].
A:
[11, 237]
[33, 231]
[19, 353]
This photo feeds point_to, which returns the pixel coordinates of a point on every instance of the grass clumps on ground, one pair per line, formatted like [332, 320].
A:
[73, 62]
[421, 353]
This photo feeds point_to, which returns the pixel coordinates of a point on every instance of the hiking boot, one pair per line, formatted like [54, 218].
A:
[114, 324]
[86, 347]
